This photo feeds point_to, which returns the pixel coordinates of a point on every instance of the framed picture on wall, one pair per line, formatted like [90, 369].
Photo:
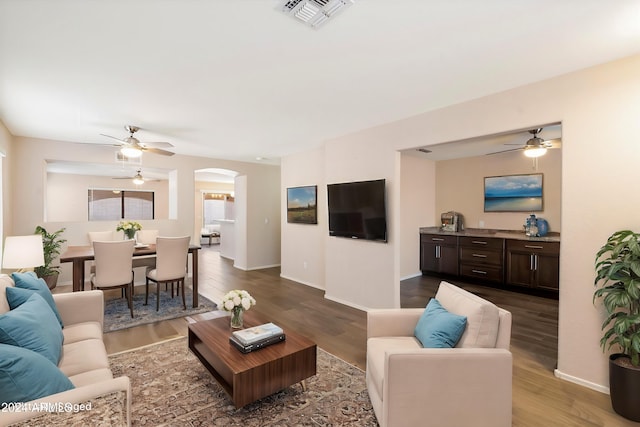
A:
[513, 193]
[302, 205]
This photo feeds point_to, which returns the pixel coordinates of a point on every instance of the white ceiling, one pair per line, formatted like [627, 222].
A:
[237, 79]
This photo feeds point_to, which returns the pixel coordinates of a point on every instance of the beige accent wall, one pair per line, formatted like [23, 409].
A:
[259, 247]
[460, 187]
[598, 109]
[418, 189]
[6, 143]
[303, 245]
[73, 190]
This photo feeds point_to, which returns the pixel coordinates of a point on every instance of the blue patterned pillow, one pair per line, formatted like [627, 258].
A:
[30, 281]
[32, 325]
[437, 328]
[25, 375]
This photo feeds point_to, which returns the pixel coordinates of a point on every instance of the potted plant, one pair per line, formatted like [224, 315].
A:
[618, 286]
[51, 244]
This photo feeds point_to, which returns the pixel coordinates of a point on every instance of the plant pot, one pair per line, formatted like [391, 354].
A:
[624, 387]
[51, 280]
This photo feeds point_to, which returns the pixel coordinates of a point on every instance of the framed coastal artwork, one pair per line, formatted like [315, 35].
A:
[513, 193]
[302, 205]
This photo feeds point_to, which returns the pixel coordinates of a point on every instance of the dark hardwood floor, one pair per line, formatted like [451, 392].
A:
[539, 398]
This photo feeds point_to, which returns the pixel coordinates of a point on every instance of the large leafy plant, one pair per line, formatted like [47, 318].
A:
[618, 285]
[51, 245]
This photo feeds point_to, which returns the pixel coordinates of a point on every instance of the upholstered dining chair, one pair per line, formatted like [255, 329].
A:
[113, 263]
[99, 236]
[171, 266]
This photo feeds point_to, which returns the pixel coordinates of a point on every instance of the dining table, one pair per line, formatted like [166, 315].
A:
[78, 255]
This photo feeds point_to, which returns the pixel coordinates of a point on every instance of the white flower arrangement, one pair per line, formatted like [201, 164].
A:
[128, 225]
[237, 298]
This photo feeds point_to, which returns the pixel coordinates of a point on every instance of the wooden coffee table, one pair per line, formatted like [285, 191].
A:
[252, 376]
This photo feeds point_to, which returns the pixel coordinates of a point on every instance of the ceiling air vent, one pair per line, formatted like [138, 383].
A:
[314, 12]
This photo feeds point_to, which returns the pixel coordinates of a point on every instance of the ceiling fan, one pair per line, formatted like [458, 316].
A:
[132, 147]
[137, 179]
[535, 146]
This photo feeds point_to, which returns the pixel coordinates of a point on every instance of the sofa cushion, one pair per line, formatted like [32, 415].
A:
[482, 316]
[5, 282]
[82, 331]
[437, 328]
[33, 325]
[376, 355]
[83, 356]
[26, 375]
[91, 377]
[30, 281]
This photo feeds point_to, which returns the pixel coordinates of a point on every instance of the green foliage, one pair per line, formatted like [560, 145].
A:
[617, 284]
[51, 244]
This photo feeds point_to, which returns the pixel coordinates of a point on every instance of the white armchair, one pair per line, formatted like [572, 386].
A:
[462, 386]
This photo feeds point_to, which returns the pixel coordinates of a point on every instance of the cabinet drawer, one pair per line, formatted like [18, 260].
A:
[480, 256]
[482, 242]
[485, 272]
[533, 246]
[440, 239]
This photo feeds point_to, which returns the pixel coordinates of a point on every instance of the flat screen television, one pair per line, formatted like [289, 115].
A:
[357, 210]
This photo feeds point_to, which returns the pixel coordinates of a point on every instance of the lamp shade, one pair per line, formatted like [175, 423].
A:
[23, 252]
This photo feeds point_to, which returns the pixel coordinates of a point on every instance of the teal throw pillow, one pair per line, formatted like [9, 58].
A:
[438, 328]
[25, 375]
[30, 281]
[32, 325]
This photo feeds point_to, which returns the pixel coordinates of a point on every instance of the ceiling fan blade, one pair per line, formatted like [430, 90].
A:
[158, 151]
[157, 144]
[505, 151]
[113, 137]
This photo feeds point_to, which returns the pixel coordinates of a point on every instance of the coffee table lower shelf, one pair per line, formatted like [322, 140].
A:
[252, 376]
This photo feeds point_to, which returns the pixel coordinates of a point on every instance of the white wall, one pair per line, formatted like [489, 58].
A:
[598, 109]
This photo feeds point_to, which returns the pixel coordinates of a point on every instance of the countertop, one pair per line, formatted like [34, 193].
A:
[486, 232]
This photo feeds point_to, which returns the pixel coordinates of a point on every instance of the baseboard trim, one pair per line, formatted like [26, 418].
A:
[302, 282]
[260, 267]
[411, 276]
[580, 381]
[347, 303]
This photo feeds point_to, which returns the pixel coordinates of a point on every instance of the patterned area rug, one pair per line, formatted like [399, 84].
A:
[117, 315]
[172, 388]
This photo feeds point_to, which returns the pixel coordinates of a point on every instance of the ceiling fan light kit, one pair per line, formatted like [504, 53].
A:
[131, 151]
[133, 148]
[535, 151]
[314, 13]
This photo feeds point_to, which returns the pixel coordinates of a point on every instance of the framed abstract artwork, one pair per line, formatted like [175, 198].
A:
[513, 193]
[302, 205]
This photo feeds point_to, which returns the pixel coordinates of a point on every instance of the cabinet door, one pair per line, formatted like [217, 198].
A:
[428, 260]
[547, 271]
[519, 268]
[449, 260]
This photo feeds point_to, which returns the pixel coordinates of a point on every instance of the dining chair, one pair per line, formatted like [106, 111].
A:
[146, 237]
[171, 266]
[100, 236]
[113, 263]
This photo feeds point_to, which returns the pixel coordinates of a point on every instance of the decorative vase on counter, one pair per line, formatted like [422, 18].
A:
[237, 321]
[543, 227]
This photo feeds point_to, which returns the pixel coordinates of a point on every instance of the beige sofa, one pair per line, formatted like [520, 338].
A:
[469, 385]
[84, 357]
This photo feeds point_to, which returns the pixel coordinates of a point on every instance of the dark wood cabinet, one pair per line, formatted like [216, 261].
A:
[533, 264]
[482, 258]
[439, 253]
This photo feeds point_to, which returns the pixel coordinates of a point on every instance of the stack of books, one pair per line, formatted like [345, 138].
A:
[257, 337]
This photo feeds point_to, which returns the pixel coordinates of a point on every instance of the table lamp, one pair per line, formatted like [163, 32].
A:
[23, 252]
